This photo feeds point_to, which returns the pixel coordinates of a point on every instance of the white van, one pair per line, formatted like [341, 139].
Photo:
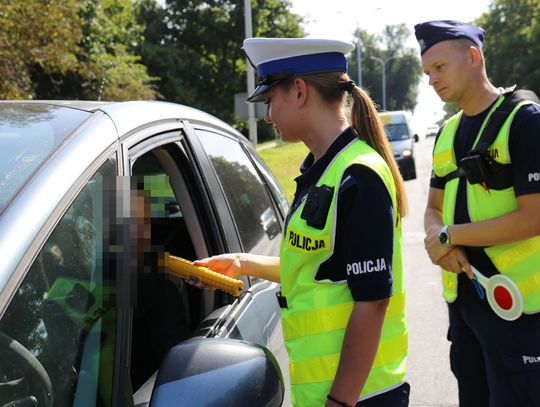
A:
[398, 129]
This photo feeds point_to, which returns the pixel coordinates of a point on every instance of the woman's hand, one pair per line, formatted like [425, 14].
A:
[236, 265]
[227, 264]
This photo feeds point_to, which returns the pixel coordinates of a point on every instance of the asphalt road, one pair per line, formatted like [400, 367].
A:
[432, 382]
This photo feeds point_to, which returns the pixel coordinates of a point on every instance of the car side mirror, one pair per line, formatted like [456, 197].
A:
[218, 372]
[416, 138]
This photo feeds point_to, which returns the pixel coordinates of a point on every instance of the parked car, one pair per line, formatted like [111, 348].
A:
[432, 130]
[402, 139]
[91, 196]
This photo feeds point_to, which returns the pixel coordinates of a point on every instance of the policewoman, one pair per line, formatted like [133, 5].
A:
[340, 267]
[484, 211]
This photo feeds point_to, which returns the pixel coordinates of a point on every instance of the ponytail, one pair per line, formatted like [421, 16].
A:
[335, 87]
[368, 126]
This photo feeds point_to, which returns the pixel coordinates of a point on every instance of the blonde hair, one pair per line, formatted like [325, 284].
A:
[364, 120]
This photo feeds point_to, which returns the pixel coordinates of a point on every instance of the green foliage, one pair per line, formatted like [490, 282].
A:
[402, 73]
[512, 44]
[273, 18]
[194, 46]
[36, 33]
[108, 67]
[71, 50]
[111, 32]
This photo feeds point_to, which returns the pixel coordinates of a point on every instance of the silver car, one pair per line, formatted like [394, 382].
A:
[92, 195]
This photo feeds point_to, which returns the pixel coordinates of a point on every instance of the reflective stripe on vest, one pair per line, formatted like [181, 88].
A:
[520, 260]
[318, 311]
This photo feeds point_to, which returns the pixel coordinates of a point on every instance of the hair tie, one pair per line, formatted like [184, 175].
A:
[348, 86]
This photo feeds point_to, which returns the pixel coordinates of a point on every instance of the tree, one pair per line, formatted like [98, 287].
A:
[113, 34]
[36, 33]
[512, 44]
[68, 49]
[194, 46]
[402, 73]
[107, 66]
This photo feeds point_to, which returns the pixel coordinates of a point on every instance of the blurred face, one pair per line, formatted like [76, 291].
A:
[447, 64]
[281, 111]
[141, 217]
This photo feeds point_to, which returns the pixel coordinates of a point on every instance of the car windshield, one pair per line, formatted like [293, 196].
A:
[397, 131]
[29, 134]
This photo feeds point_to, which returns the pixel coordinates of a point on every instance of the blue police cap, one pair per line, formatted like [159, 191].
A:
[433, 32]
[276, 59]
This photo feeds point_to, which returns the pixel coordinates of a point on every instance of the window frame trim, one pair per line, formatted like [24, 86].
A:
[225, 220]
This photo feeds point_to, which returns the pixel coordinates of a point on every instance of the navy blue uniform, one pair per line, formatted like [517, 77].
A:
[364, 232]
[490, 357]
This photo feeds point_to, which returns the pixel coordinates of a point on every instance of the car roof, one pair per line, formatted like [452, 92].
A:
[130, 115]
[394, 117]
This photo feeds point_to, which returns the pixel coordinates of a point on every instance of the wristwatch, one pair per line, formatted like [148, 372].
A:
[444, 237]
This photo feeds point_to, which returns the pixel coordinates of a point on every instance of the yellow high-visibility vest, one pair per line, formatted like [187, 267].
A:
[318, 311]
[520, 260]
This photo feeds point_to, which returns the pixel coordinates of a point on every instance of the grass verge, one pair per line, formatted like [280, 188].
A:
[284, 161]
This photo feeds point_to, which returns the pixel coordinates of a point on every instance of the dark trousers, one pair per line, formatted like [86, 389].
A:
[496, 362]
[398, 397]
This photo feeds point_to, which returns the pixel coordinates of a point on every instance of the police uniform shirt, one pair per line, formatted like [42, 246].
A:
[524, 146]
[364, 225]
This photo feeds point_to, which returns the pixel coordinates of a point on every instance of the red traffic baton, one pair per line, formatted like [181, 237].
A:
[503, 295]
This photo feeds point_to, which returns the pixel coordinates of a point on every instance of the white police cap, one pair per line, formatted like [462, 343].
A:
[280, 58]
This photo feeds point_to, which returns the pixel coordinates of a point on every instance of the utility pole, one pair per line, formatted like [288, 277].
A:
[252, 123]
[359, 60]
[383, 69]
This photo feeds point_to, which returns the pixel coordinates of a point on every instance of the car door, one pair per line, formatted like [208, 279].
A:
[58, 332]
[219, 199]
[179, 210]
[258, 221]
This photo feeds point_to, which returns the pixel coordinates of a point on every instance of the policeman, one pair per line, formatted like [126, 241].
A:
[484, 210]
[340, 267]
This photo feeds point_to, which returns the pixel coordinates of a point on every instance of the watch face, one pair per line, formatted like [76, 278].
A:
[443, 237]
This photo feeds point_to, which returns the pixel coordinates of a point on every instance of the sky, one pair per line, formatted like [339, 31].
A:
[339, 19]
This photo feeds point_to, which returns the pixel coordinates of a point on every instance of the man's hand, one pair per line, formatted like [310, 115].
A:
[434, 247]
[456, 261]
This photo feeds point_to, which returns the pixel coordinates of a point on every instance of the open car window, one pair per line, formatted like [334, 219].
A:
[166, 310]
[161, 315]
